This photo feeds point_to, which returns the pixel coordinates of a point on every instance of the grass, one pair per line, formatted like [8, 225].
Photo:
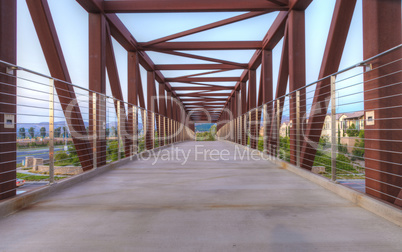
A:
[30, 177]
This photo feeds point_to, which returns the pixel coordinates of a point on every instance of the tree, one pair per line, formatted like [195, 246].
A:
[107, 132]
[352, 131]
[43, 132]
[31, 132]
[57, 132]
[22, 132]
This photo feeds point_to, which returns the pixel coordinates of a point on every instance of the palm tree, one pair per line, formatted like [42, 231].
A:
[31, 132]
[57, 132]
[43, 132]
[22, 132]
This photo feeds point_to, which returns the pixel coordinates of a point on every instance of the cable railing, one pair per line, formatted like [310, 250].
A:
[64, 130]
[345, 127]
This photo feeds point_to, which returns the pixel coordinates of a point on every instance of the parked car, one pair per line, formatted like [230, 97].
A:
[20, 182]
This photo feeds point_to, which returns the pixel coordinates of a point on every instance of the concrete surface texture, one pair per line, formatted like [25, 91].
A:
[213, 202]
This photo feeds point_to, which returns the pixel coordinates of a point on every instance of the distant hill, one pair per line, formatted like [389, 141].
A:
[61, 124]
[202, 127]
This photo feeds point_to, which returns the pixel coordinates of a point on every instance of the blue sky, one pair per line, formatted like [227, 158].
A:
[71, 22]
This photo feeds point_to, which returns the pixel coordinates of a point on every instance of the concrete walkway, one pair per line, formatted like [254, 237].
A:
[217, 204]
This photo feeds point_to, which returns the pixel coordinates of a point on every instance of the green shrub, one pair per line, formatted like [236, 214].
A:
[358, 150]
[342, 162]
[352, 131]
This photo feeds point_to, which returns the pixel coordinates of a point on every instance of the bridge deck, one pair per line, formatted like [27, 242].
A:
[202, 205]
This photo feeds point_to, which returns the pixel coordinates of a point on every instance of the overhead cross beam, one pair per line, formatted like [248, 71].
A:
[208, 45]
[206, 27]
[204, 79]
[135, 6]
[198, 67]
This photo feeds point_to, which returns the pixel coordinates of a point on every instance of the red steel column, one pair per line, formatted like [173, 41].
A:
[337, 36]
[267, 95]
[243, 88]
[8, 53]
[46, 31]
[149, 137]
[252, 104]
[297, 73]
[383, 135]
[132, 94]
[169, 115]
[97, 81]
[162, 111]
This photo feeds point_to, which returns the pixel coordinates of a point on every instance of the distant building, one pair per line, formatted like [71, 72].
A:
[343, 122]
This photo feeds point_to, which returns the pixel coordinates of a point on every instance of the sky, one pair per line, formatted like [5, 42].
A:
[71, 22]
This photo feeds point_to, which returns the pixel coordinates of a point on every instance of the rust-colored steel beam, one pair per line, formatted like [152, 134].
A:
[8, 98]
[383, 137]
[192, 56]
[271, 39]
[204, 104]
[133, 79]
[203, 94]
[281, 86]
[203, 99]
[267, 91]
[169, 114]
[196, 83]
[141, 6]
[299, 4]
[203, 79]
[204, 73]
[133, 82]
[115, 87]
[198, 67]
[149, 137]
[206, 27]
[123, 36]
[97, 81]
[297, 74]
[252, 91]
[202, 88]
[46, 31]
[209, 45]
[337, 36]
[280, 2]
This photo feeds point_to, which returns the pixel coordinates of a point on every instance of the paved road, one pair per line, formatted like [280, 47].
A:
[184, 202]
[37, 153]
[357, 184]
[29, 186]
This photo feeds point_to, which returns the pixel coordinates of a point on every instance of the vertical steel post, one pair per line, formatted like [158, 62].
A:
[153, 130]
[135, 130]
[298, 128]
[94, 133]
[278, 127]
[333, 128]
[51, 131]
[249, 126]
[265, 125]
[118, 130]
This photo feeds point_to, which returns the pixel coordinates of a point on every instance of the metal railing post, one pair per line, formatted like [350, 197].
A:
[135, 130]
[278, 127]
[298, 128]
[333, 128]
[265, 126]
[51, 131]
[118, 130]
[153, 130]
[94, 135]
